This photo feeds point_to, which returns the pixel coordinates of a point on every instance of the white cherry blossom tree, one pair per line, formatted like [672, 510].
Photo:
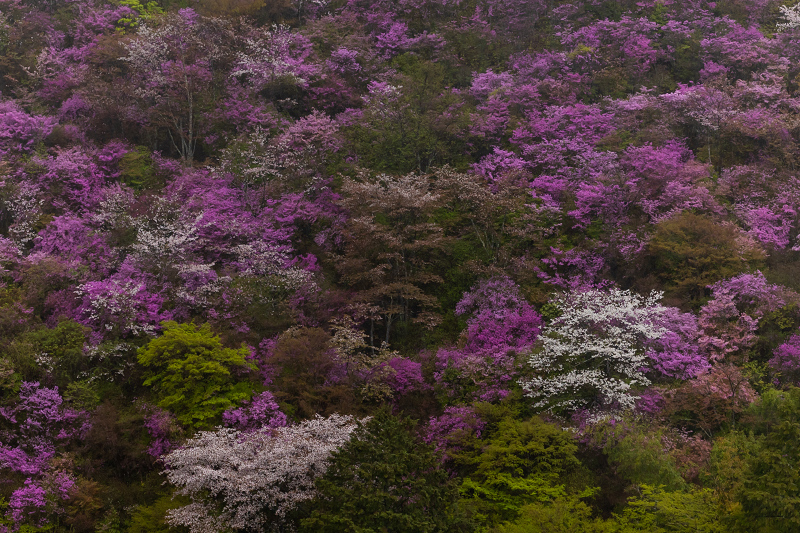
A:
[792, 17]
[251, 481]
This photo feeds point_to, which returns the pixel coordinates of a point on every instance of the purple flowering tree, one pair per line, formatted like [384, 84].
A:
[262, 411]
[501, 325]
[35, 431]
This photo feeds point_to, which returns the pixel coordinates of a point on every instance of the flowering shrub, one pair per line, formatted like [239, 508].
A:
[40, 427]
[730, 320]
[786, 360]
[119, 308]
[449, 431]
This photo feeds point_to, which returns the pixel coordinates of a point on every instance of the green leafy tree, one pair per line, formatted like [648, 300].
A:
[385, 480]
[656, 511]
[9, 381]
[564, 515]
[414, 124]
[727, 464]
[62, 347]
[191, 371]
[653, 510]
[637, 455]
[145, 11]
[150, 518]
[137, 171]
[689, 252]
[770, 491]
[522, 463]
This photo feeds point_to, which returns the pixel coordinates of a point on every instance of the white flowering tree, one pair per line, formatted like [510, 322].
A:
[164, 237]
[274, 53]
[177, 63]
[595, 353]
[792, 17]
[251, 481]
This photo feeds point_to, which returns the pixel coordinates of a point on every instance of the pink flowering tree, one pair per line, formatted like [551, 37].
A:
[764, 202]
[677, 353]
[730, 320]
[19, 131]
[453, 430]
[786, 361]
[162, 428]
[498, 315]
[262, 411]
[275, 54]
[573, 269]
[41, 422]
[251, 481]
[119, 308]
[73, 240]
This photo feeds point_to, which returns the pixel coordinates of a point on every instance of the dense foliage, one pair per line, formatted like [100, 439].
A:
[399, 266]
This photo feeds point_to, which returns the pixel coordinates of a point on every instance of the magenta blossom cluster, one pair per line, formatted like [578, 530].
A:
[449, 431]
[262, 411]
[501, 324]
[41, 428]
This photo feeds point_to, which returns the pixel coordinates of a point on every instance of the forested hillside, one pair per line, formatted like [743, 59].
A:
[407, 266]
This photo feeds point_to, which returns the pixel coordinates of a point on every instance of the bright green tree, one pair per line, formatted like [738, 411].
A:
[656, 510]
[190, 371]
[522, 463]
[564, 515]
[144, 11]
[638, 456]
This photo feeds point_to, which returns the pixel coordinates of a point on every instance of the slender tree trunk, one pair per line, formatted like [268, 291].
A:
[372, 335]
